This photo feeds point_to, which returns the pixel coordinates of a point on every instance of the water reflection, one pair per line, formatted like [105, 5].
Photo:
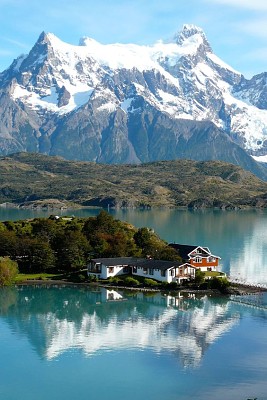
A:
[56, 320]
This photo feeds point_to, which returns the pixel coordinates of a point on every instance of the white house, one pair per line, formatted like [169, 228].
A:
[198, 256]
[160, 270]
[105, 268]
[164, 271]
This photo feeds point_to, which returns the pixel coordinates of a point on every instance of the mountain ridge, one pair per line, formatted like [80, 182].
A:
[101, 103]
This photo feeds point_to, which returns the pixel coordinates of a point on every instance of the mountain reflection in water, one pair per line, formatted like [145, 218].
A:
[57, 319]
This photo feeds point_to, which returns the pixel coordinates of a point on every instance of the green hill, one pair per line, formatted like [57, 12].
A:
[31, 177]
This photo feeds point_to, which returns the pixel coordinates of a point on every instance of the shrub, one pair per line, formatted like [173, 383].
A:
[115, 280]
[81, 278]
[172, 285]
[8, 271]
[92, 278]
[129, 281]
[200, 277]
[150, 282]
[219, 283]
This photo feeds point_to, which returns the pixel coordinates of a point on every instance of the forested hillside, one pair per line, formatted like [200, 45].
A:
[66, 244]
[26, 179]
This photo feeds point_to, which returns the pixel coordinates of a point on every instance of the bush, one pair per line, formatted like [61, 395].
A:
[92, 278]
[8, 271]
[115, 280]
[200, 277]
[172, 285]
[150, 282]
[220, 284]
[82, 278]
[129, 281]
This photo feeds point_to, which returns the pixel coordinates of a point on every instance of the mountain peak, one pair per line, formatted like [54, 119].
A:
[86, 41]
[47, 38]
[43, 38]
[191, 33]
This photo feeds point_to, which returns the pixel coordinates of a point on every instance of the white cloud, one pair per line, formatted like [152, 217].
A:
[15, 42]
[256, 5]
[256, 27]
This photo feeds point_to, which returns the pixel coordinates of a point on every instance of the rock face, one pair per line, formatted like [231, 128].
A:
[132, 104]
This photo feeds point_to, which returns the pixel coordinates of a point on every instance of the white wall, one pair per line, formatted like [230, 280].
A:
[156, 275]
[117, 270]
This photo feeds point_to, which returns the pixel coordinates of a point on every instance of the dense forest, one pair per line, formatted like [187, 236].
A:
[65, 244]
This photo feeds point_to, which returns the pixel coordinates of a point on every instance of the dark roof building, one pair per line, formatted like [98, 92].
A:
[117, 261]
[183, 249]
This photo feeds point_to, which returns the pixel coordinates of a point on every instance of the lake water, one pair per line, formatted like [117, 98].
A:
[238, 237]
[74, 343]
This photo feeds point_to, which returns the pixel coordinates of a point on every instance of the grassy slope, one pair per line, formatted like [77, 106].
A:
[166, 183]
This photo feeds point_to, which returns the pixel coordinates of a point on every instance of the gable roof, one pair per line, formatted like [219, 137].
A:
[138, 262]
[157, 264]
[183, 249]
[200, 250]
[112, 262]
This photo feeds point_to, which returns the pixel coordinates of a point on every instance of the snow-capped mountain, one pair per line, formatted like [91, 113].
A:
[120, 103]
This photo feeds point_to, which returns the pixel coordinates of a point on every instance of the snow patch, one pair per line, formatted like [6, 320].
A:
[110, 107]
[221, 63]
[126, 104]
[262, 159]
[79, 96]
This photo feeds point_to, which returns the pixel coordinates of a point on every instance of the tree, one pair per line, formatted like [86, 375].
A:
[35, 255]
[72, 250]
[142, 238]
[44, 228]
[106, 223]
[8, 243]
[8, 271]
[167, 253]
[199, 277]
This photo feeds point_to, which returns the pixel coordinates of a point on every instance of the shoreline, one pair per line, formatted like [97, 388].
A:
[238, 289]
[69, 206]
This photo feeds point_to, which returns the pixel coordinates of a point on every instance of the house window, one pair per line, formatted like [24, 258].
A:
[134, 270]
[111, 296]
[111, 270]
[163, 273]
[211, 259]
[171, 272]
[94, 268]
[125, 270]
[198, 259]
[151, 271]
[145, 270]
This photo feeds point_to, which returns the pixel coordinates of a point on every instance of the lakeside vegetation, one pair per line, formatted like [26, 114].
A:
[37, 180]
[65, 245]
[59, 249]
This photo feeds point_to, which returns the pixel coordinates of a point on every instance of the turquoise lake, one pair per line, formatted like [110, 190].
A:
[74, 343]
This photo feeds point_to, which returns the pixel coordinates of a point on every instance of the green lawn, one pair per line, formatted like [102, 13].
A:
[213, 274]
[40, 276]
[75, 276]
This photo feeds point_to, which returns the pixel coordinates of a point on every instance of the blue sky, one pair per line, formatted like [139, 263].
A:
[236, 29]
